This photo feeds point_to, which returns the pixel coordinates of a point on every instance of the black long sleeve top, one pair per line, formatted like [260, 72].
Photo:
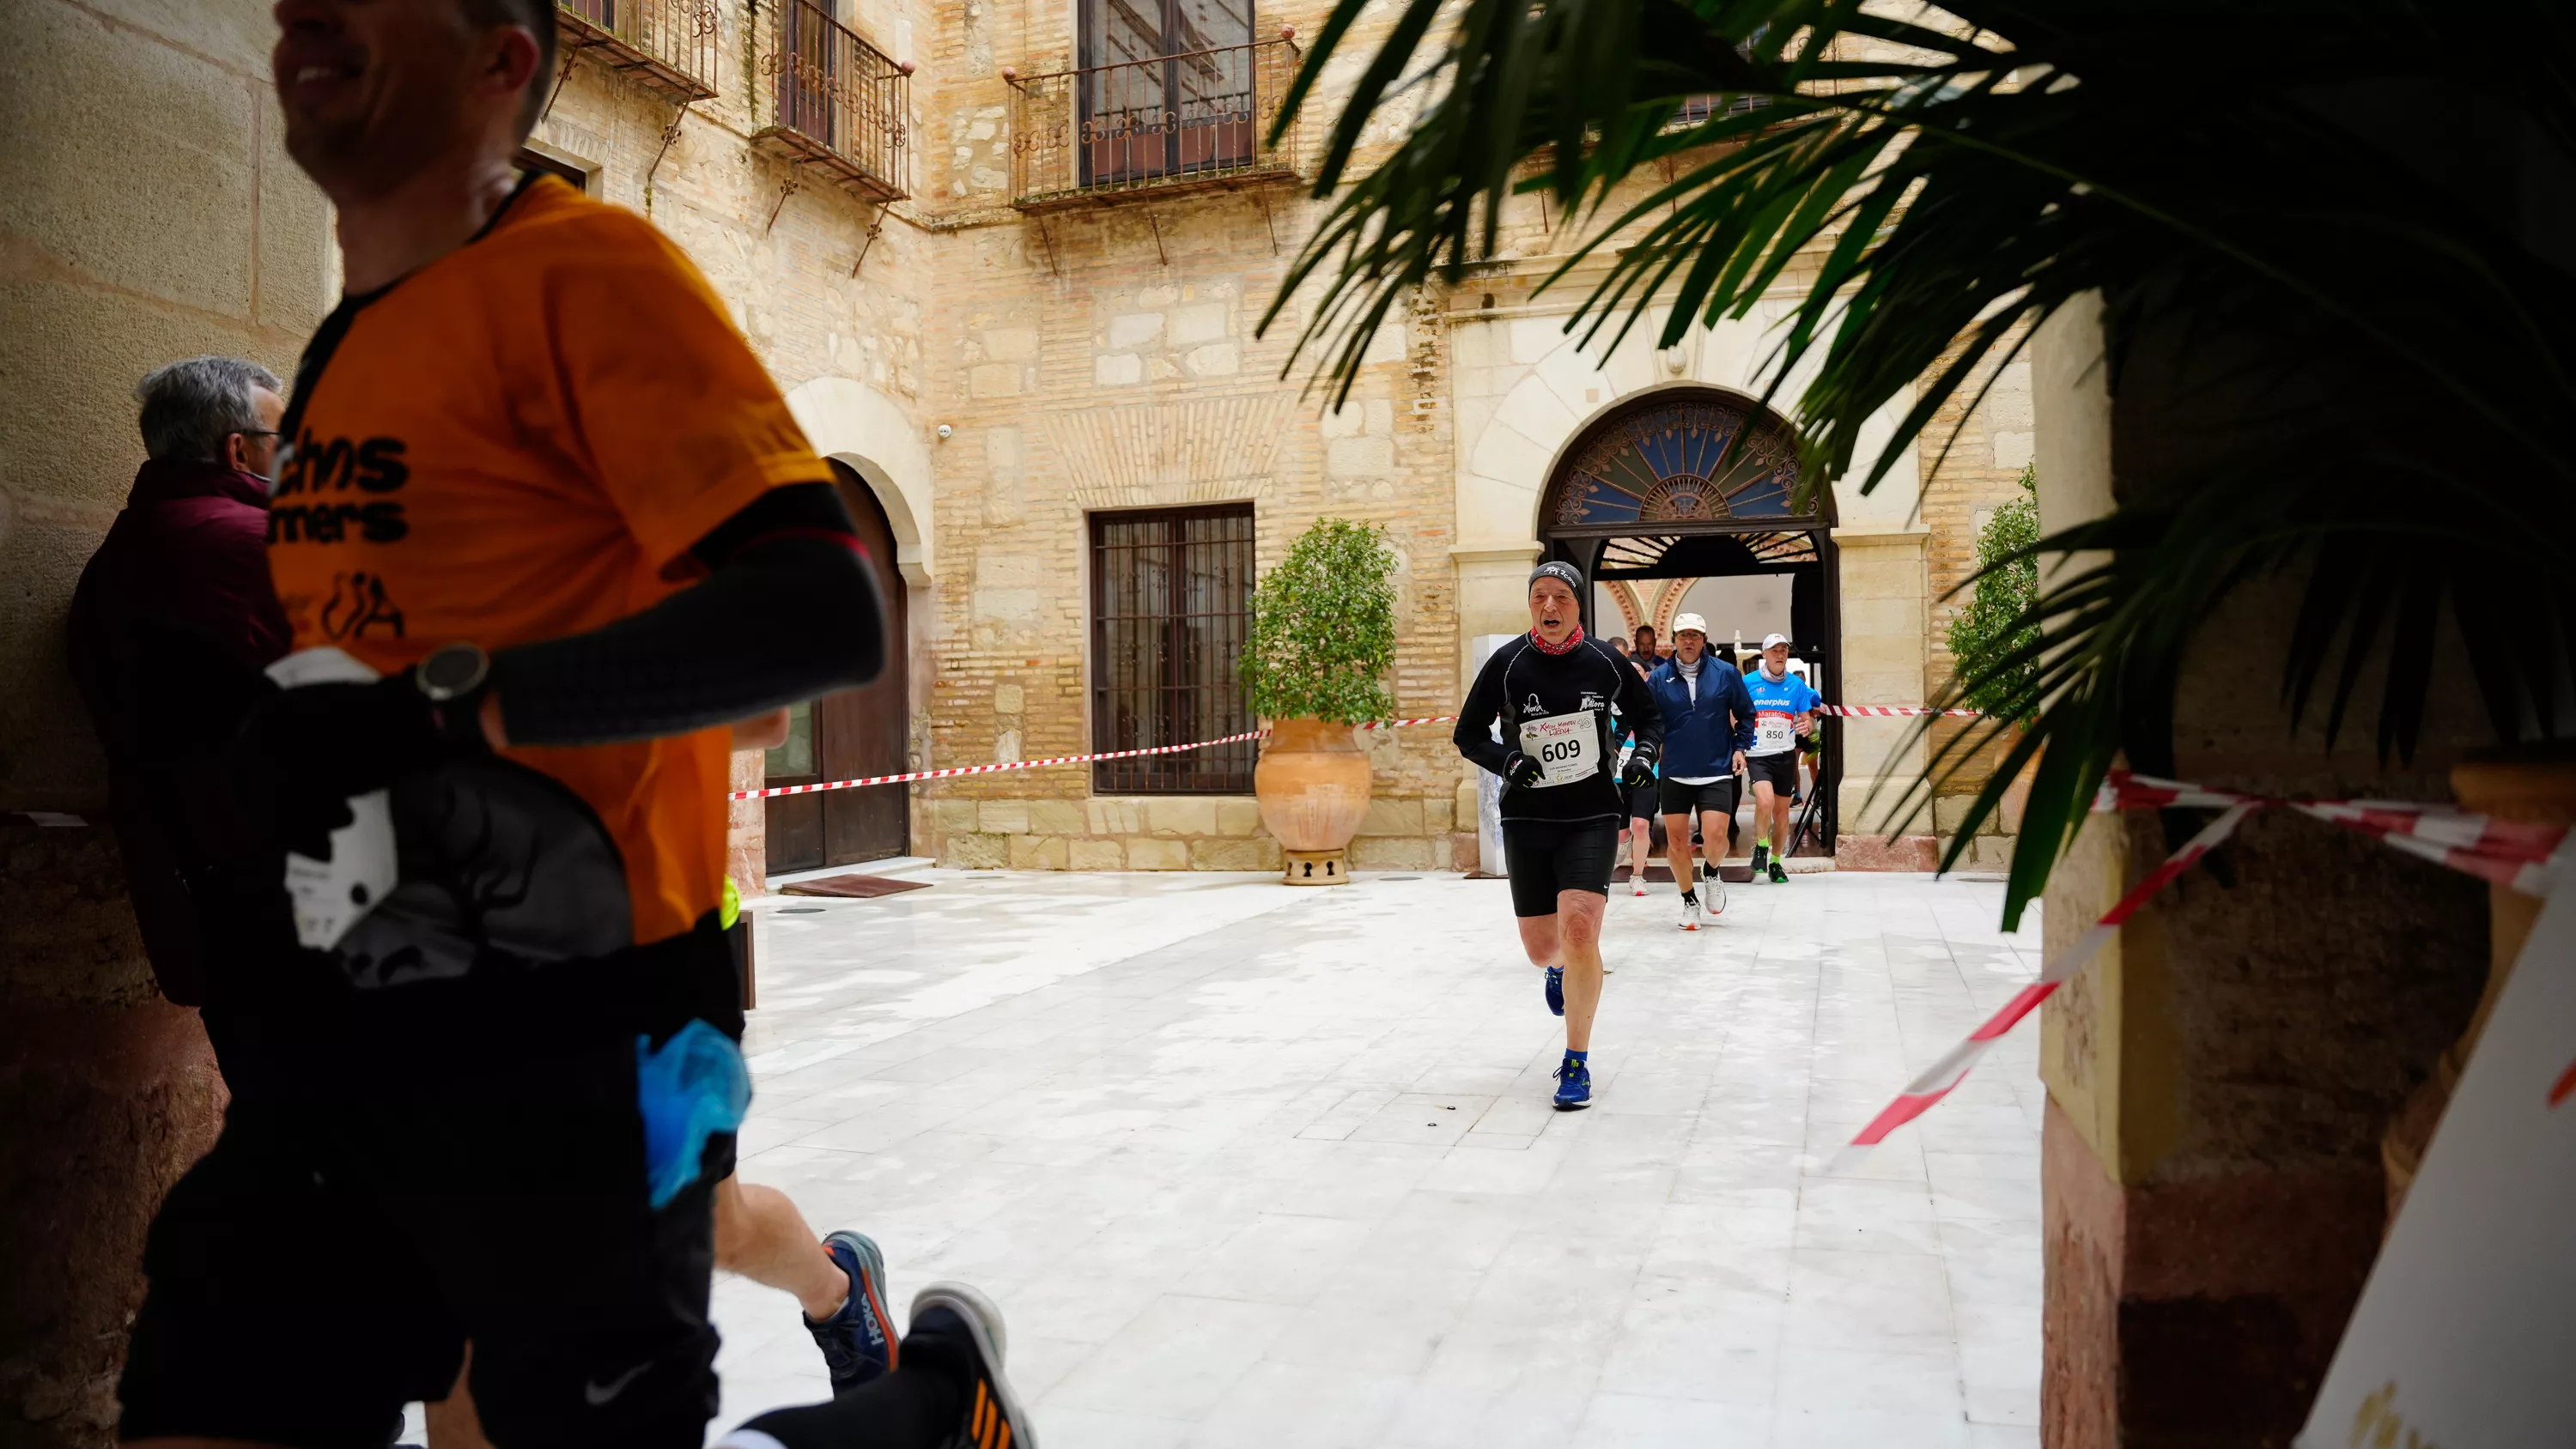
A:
[1523, 683]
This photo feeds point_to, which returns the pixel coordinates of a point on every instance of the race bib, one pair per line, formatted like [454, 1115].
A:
[1566, 746]
[1772, 734]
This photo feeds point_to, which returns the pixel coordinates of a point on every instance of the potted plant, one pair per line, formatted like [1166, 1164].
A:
[1323, 637]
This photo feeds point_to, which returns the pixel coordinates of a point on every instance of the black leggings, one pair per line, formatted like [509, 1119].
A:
[918, 1406]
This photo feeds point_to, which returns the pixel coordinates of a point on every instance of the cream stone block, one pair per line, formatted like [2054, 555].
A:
[995, 379]
[1199, 322]
[1507, 455]
[1011, 344]
[1112, 815]
[1238, 817]
[1134, 329]
[1991, 852]
[1439, 815]
[1004, 605]
[1396, 852]
[1890, 617]
[1533, 338]
[1117, 369]
[1233, 855]
[1546, 410]
[1347, 421]
[2013, 450]
[2008, 402]
[1390, 343]
[1181, 815]
[978, 852]
[1493, 598]
[1057, 817]
[1002, 817]
[1392, 817]
[953, 815]
[1359, 457]
[1087, 854]
[1038, 852]
[1008, 699]
[1217, 359]
[1149, 853]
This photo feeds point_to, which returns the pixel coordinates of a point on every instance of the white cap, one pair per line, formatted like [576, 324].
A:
[1770, 639]
[1691, 622]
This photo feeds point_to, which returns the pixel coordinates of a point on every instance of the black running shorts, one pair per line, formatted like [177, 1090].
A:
[390, 1193]
[1545, 857]
[1717, 797]
[1780, 769]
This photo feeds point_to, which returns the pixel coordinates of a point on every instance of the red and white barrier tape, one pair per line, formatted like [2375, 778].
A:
[1890, 711]
[1383, 724]
[2512, 853]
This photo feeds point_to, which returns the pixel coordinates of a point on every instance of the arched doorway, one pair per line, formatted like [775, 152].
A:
[844, 736]
[1699, 484]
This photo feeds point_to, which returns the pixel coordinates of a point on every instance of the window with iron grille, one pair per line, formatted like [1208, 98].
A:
[1171, 603]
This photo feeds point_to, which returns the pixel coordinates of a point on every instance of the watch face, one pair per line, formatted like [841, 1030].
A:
[452, 670]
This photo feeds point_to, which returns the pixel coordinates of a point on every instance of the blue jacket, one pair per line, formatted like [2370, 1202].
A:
[1701, 738]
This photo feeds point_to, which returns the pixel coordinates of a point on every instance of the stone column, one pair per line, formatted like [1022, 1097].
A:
[1883, 627]
[2219, 1077]
[153, 216]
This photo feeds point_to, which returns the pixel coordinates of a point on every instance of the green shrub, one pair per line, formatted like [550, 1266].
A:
[1323, 628]
[1984, 633]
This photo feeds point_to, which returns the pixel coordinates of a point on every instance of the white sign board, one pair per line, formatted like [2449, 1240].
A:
[2464, 1333]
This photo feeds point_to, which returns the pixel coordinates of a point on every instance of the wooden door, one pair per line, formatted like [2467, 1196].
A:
[850, 735]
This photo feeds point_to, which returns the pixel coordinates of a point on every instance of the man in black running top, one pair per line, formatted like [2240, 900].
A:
[1553, 690]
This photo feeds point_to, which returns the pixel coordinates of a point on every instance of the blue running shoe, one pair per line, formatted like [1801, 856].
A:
[1556, 989]
[856, 1342]
[1573, 1086]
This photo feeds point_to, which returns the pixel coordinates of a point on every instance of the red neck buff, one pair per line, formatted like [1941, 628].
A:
[1571, 639]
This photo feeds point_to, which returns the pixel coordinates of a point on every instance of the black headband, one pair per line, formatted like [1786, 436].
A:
[1552, 569]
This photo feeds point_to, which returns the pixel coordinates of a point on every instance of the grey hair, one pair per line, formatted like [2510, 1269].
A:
[190, 407]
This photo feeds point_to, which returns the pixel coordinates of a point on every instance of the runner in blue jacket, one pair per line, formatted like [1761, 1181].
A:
[1708, 726]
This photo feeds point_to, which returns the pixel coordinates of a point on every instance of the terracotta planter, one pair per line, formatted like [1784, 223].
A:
[2536, 784]
[1313, 784]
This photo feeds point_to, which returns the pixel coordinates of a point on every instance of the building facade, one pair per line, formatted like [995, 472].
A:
[1011, 263]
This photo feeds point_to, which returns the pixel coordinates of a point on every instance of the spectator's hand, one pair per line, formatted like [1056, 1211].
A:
[1641, 769]
[304, 752]
[1521, 770]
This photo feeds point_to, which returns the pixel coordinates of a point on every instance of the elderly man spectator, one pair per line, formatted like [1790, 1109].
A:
[172, 623]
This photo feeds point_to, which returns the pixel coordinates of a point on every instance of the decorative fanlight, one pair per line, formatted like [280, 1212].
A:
[1682, 462]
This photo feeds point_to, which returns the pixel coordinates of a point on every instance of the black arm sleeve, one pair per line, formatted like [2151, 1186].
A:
[1645, 717]
[790, 610]
[1475, 732]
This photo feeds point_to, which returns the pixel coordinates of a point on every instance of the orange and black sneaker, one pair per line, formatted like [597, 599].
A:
[962, 1316]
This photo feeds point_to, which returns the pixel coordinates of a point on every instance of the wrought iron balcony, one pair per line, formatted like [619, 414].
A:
[1152, 126]
[824, 98]
[670, 45]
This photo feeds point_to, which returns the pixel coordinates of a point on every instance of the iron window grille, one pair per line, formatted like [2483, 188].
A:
[1171, 606]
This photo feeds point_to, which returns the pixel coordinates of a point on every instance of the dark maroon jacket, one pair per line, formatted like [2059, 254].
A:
[172, 624]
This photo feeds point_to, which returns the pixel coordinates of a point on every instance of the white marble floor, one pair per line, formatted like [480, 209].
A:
[1247, 1165]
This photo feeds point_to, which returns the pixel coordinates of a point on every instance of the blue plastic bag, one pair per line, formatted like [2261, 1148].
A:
[693, 1088]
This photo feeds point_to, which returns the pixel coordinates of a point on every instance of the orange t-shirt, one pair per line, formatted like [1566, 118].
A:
[510, 445]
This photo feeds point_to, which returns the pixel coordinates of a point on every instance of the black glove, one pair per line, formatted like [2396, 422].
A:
[1641, 769]
[1521, 770]
[305, 751]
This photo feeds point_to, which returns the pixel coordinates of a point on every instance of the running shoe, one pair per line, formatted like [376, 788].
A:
[1760, 853]
[1690, 913]
[856, 1342]
[1712, 896]
[1556, 989]
[1779, 875]
[1638, 884]
[1573, 1086]
[961, 1316]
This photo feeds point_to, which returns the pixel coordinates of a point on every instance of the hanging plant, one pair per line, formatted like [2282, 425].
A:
[1323, 628]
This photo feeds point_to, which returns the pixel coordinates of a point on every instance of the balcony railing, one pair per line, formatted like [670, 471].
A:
[670, 45]
[1201, 118]
[822, 97]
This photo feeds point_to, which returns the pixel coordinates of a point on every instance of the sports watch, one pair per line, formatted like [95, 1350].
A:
[453, 679]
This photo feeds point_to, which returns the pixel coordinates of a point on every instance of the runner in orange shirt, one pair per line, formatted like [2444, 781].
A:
[541, 519]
